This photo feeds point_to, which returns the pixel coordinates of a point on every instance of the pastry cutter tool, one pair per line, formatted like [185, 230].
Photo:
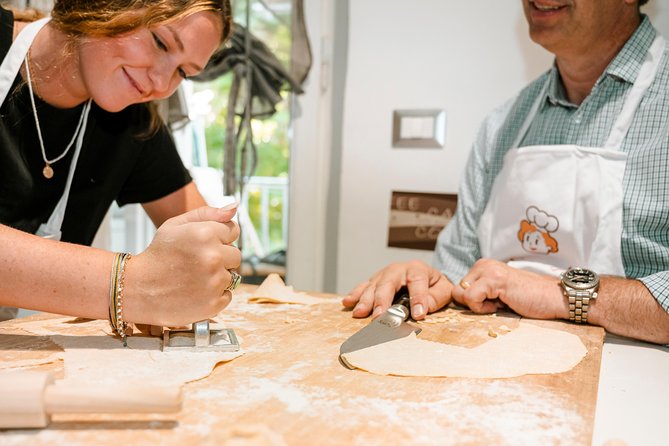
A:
[201, 337]
[389, 326]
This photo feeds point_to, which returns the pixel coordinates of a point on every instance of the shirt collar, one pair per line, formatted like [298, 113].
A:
[625, 66]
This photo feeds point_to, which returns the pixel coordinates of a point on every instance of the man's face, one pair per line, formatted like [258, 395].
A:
[574, 25]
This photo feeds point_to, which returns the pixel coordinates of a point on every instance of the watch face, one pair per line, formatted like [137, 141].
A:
[580, 278]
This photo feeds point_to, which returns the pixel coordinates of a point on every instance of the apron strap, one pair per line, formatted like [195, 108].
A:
[643, 80]
[52, 228]
[17, 53]
[625, 117]
[530, 116]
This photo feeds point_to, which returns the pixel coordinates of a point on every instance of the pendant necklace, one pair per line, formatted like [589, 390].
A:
[48, 170]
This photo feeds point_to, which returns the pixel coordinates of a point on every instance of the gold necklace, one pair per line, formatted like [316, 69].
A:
[48, 170]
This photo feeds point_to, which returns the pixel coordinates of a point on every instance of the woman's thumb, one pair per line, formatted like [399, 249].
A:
[205, 213]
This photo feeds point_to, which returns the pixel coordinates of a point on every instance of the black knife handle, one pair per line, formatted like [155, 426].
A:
[402, 297]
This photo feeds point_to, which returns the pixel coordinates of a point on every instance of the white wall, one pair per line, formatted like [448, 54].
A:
[464, 57]
[658, 11]
[310, 155]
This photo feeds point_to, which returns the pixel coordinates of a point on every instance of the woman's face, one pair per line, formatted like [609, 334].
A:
[147, 64]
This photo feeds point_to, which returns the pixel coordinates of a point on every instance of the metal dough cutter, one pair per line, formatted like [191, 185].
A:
[200, 339]
[391, 325]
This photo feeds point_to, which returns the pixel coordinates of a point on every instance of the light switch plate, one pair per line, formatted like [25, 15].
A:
[419, 128]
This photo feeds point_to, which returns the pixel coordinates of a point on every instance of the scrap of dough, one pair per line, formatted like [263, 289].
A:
[245, 435]
[274, 291]
[102, 359]
[20, 350]
[10, 363]
[528, 349]
[438, 318]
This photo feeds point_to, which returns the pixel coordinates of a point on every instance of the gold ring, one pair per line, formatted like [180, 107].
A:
[464, 284]
[235, 280]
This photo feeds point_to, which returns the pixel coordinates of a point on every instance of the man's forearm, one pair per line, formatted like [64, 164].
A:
[626, 307]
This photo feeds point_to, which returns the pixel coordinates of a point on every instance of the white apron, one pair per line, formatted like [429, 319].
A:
[8, 71]
[552, 207]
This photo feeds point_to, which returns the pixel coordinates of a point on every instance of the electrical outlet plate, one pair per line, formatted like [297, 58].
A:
[419, 129]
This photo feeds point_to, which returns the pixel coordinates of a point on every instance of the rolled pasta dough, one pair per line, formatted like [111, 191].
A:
[529, 349]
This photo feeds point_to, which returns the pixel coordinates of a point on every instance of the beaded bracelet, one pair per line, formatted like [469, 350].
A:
[117, 280]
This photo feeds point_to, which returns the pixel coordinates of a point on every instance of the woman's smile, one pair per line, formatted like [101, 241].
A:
[134, 85]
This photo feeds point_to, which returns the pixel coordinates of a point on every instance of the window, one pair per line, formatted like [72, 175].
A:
[263, 214]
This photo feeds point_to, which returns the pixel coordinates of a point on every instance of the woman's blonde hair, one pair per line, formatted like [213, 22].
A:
[108, 18]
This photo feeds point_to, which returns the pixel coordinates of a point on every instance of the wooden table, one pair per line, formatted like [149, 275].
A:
[289, 388]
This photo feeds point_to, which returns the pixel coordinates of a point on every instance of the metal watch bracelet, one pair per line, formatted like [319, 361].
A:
[579, 303]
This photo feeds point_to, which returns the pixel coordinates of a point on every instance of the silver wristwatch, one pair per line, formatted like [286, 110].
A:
[580, 285]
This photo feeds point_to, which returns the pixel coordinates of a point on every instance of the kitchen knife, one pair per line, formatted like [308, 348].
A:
[389, 326]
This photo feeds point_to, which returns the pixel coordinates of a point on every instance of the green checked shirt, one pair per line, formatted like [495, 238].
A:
[645, 234]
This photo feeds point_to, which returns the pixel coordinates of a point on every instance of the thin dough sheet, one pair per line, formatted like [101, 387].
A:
[528, 349]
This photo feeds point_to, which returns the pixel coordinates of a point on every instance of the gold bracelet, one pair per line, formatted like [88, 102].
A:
[113, 291]
[117, 282]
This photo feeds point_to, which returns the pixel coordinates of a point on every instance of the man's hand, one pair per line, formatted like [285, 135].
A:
[429, 290]
[490, 285]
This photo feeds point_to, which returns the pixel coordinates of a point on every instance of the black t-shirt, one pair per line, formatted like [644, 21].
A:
[115, 162]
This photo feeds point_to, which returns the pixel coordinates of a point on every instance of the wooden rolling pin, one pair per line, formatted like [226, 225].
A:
[28, 399]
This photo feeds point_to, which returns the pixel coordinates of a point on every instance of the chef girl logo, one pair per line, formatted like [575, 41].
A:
[535, 232]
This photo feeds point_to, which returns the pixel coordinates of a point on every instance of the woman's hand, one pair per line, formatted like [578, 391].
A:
[429, 290]
[183, 275]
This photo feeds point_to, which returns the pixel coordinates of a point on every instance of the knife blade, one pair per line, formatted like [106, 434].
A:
[389, 326]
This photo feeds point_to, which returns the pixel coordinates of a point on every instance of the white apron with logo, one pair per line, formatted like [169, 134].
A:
[556, 206]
